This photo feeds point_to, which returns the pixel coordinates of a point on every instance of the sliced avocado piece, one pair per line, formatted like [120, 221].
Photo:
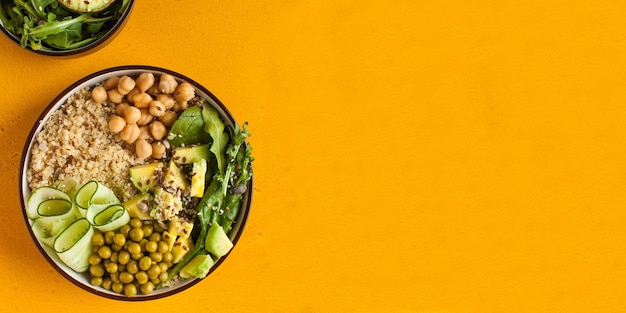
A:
[180, 227]
[190, 154]
[198, 267]
[198, 177]
[145, 177]
[87, 6]
[181, 247]
[198, 156]
[175, 179]
[169, 239]
[166, 205]
[217, 242]
[139, 206]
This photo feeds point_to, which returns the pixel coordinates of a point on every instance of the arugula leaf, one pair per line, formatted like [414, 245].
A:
[214, 126]
[188, 129]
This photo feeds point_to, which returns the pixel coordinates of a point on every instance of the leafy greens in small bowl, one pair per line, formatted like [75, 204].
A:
[63, 27]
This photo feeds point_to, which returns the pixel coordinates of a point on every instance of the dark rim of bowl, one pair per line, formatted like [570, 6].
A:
[62, 97]
[109, 35]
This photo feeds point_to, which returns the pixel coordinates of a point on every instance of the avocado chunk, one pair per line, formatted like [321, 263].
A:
[87, 6]
[198, 267]
[139, 206]
[217, 242]
[145, 177]
[198, 177]
[181, 247]
[198, 156]
[175, 180]
[190, 154]
[166, 205]
[180, 227]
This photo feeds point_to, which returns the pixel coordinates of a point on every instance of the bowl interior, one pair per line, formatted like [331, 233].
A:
[82, 280]
[89, 48]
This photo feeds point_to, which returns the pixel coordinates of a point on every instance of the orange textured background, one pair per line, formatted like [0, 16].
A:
[411, 156]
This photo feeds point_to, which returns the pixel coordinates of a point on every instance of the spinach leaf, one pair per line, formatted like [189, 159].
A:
[188, 129]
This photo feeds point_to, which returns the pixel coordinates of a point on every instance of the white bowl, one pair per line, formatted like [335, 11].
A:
[82, 279]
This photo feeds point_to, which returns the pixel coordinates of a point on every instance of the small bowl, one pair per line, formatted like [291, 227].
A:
[81, 279]
[111, 33]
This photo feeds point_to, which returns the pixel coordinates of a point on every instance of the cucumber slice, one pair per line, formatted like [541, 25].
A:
[73, 245]
[41, 194]
[93, 192]
[54, 215]
[107, 217]
[46, 229]
[54, 207]
[69, 185]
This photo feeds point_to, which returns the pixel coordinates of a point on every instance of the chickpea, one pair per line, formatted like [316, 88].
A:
[167, 84]
[157, 108]
[158, 150]
[153, 90]
[168, 118]
[125, 85]
[111, 82]
[167, 100]
[130, 133]
[184, 92]
[120, 108]
[115, 96]
[180, 106]
[144, 133]
[146, 117]
[143, 149]
[132, 115]
[145, 81]
[158, 130]
[116, 124]
[131, 94]
[99, 94]
[142, 100]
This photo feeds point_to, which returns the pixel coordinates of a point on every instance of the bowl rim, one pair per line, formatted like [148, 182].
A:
[91, 47]
[58, 101]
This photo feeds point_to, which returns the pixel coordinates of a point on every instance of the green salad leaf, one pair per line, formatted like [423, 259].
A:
[40, 24]
[188, 129]
[214, 126]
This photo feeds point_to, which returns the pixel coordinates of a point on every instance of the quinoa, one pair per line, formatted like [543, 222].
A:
[75, 143]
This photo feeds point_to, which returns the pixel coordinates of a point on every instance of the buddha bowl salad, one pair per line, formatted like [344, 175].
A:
[136, 183]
